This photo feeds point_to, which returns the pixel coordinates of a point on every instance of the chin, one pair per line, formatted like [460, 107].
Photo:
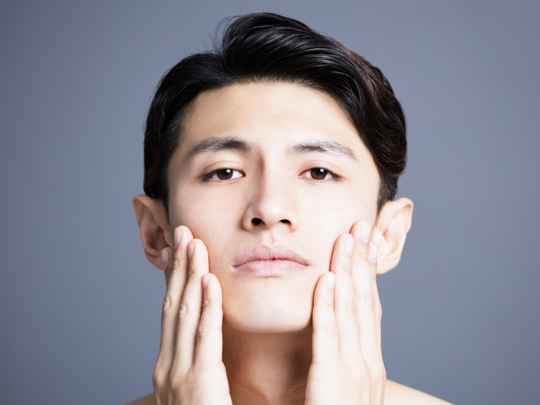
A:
[270, 313]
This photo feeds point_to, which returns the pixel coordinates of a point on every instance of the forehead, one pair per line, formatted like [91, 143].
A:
[269, 115]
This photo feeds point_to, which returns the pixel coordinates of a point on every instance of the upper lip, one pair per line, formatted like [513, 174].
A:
[263, 252]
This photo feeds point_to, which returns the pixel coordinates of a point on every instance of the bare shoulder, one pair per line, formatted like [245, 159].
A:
[395, 394]
[398, 394]
[146, 400]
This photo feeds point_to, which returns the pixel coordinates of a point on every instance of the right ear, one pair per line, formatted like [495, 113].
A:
[154, 228]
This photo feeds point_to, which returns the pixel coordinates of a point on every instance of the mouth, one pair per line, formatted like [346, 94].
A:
[268, 261]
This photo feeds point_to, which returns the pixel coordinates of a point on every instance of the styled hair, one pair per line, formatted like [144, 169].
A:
[267, 47]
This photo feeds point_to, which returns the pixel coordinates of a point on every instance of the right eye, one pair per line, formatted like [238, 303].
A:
[222, 175]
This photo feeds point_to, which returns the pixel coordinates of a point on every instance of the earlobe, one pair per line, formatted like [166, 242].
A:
[391, 232]
[154, 229]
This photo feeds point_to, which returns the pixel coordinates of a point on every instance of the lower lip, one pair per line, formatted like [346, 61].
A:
[268, 268]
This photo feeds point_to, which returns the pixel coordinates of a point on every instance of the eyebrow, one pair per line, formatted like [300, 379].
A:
[323, 146]
[219, 143]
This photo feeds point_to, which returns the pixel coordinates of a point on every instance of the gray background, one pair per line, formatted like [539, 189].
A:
[80, 305]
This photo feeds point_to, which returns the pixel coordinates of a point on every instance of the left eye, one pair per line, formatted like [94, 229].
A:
[223, 174]
[319, 173]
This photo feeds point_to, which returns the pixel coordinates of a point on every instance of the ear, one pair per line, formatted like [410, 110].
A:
[154, 228]
[390, 232]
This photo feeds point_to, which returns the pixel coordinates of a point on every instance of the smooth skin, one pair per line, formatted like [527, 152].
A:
[347, 361]
[303, 179]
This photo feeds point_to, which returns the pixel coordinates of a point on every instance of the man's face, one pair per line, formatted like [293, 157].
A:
[269, 166]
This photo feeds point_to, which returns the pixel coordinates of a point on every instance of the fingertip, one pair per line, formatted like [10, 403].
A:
[164, 258]
[324, 291]
[361, 230]
[197, 245]
[177, 237]
[330, 281]
[211, 287]
[349, 244]
[373, 252]
[185, 235]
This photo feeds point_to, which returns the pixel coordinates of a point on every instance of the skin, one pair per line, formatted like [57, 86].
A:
[302, 179]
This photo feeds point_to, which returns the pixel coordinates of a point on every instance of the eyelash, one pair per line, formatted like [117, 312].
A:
[209, 176]
[334, 177]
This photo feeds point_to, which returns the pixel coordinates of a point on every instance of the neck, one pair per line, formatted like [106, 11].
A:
[267, 368]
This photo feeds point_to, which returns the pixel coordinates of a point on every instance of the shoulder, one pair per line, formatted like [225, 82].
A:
[395, 394]
[146, 400]
[398, 394]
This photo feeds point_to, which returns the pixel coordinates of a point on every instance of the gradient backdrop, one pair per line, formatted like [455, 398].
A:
[80, 305]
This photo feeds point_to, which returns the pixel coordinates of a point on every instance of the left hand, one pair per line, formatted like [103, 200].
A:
[347, 365]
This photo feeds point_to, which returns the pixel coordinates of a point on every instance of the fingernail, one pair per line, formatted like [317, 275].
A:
[349, 244]
[330, 280]
[373, 250]
[191, 248]
[164, 258]
[177, 237]
[205, 281]
[365, 231]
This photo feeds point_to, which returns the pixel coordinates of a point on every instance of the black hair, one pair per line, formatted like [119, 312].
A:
[264, 47]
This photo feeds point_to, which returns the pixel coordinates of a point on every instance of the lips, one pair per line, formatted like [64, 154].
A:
[266, 261]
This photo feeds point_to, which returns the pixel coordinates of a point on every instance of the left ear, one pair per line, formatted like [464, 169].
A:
[390, 232]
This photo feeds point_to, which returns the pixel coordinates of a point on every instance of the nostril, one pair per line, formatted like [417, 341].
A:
[285, 221]
[256, 221]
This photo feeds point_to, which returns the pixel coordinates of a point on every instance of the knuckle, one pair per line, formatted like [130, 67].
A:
[191, 271]
[202, 331]
[369, 298]
[167, 303]
[347, 270]
[331, 330]
[175, 378]
[351, 308]
[183, 311]
[378, 371]
[192, 378]
[327, 304]
[176, 263]
[327, 329]
[362, 254]
[323, 306]
[361, 370]
[158, 378]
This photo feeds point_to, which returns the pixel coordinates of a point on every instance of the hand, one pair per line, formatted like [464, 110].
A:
[347, 365]
[189, 368]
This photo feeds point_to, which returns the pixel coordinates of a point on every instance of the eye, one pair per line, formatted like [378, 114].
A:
[320, 173]
[222, 174]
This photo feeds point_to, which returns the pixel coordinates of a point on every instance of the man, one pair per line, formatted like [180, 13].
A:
[271, 166]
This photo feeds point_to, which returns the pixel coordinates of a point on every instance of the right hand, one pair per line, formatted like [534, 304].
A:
[189, 368]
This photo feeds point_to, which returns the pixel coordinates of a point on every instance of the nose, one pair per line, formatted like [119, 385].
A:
[271, 205]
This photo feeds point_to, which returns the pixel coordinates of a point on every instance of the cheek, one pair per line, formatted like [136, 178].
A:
[214, 220]
[202, 213]
[331, 216]
[335, 213]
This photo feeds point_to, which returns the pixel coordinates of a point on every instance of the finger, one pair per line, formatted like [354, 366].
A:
[209, 345]
[345, 305]
[372, 258]
[325, 344]
[182, 237]
[175, 274]
[190, 307]
[364, 275]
